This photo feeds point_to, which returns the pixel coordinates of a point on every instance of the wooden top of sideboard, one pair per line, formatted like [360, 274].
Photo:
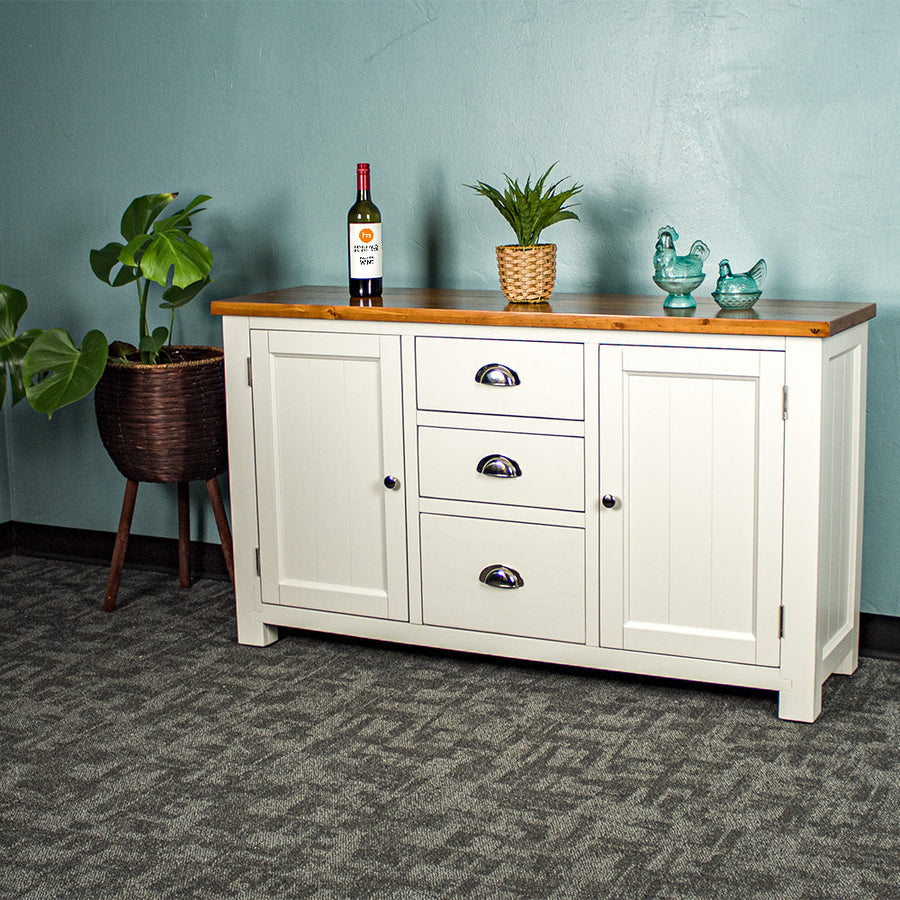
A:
[608, 312]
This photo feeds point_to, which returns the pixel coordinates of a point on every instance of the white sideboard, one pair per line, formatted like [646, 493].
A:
[590, 482]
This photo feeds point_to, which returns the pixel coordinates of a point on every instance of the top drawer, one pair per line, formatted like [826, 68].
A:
[540, 379]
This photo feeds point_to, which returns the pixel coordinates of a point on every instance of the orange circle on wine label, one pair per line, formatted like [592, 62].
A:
[366, 235]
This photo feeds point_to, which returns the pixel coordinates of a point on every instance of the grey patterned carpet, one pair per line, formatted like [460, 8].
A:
[146, 755]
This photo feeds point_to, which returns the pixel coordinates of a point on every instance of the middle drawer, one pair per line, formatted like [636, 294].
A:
[539, 470]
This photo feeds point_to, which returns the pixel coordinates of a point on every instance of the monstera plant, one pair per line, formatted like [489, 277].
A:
[160, 251]
[13, 347]
[160, 407]
[66, 374]
[47, 366]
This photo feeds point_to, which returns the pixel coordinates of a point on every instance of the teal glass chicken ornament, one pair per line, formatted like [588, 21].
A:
[679, 275]
[739, 291]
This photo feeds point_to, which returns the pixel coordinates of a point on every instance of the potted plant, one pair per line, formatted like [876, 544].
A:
[52, 370]
[527, 269]
[160, 407]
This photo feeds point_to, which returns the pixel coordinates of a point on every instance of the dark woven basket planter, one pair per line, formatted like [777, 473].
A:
[165, 423]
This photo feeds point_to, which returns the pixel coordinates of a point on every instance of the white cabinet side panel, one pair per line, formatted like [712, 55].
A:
[242, 482]
[841, 495]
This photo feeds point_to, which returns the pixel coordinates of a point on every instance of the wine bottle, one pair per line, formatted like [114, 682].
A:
[364, 221]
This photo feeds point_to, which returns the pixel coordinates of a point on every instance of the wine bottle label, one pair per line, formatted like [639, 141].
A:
[365, 250]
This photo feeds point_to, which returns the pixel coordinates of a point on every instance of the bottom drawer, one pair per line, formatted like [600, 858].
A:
[464, 562]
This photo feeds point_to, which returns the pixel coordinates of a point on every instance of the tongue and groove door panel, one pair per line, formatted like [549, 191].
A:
[691, 463]
[328, 423]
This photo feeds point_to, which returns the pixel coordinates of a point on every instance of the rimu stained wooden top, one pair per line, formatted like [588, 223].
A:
[608, 312]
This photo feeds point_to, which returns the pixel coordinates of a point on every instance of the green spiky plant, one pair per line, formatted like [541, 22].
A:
[530, 209]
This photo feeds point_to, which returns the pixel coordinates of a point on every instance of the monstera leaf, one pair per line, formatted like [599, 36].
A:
[164, 252]
[176, 297]
[57, 373]
[157, 251]
[104, 260]
[13, 347]
[142, 212]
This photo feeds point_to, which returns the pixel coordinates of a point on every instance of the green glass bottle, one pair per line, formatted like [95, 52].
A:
[364, 240]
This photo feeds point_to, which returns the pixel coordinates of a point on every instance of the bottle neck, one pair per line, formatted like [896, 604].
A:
[362, 182]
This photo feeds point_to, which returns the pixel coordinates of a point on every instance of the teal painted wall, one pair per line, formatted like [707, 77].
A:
[768, 129]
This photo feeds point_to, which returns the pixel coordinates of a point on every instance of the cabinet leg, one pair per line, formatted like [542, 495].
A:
[121, 544]
[215, 498]
[800, 704]
[849, 663]
[184, 534]
[256, 634]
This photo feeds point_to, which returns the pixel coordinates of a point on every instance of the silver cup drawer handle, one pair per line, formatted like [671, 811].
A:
[499, 576]
[497, 375]
[496, 465]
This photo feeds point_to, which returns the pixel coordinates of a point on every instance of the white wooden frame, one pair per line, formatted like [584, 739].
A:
[824, 452]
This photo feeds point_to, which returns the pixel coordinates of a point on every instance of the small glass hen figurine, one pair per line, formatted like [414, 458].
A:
[739, 291]
[679, 275]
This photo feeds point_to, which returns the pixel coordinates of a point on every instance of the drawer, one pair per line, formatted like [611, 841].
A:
[547, 379]
[457, 553]
[518, 469]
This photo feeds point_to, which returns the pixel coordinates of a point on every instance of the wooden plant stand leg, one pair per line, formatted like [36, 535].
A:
[118, 557]
[215, 498]
[184, 534]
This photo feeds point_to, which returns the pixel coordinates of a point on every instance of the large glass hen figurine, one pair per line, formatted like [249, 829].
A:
[679, 275]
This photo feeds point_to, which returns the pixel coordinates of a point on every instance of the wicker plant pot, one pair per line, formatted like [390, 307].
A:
[527, 274]
[165, 423]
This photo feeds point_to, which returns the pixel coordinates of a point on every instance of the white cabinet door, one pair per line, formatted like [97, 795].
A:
[328, 423]
[692, 449]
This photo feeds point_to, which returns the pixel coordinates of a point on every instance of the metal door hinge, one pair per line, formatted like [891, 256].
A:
[781, 621]
[784, 402]
[249, 372]
[258, 567]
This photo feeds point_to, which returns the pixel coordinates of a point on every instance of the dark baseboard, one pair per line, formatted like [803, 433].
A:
[879, 635]
[7, 538]
[95, 547]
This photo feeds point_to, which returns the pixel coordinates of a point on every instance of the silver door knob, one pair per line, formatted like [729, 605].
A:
[610, 502]
[391, 483]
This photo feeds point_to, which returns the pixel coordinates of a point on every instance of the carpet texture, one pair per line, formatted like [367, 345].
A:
[146, 755]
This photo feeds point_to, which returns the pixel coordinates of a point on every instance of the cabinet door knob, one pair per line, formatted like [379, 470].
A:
[610, 502]
[497, 375]
[498, 466]
[391, 483]
[499, 576]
